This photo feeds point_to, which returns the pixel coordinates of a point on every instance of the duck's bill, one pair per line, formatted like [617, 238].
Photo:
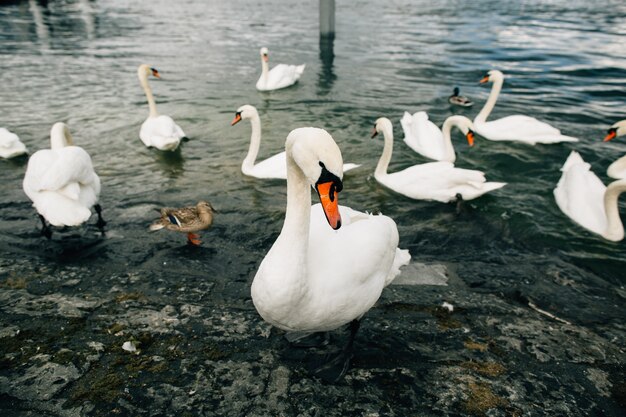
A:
[236, 120]
[328, 197]
[610, 135]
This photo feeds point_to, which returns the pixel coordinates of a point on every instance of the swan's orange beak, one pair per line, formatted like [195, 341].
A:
[485, 79]
[236, 120]
[470, 138]
[374, 132]
[328, 197]
[155, 72]
[610, 134]
[266, 58]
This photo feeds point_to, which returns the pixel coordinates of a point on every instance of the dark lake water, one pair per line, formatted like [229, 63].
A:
[76, 61]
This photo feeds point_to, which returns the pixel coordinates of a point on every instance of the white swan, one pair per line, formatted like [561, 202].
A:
[583, 197]
[439, 181]
[10, 144]
[513, 128]
[618, 168]
[158, 131]
[61, 181]
[273, 167]
[281, 76]
[425, 138]
[315, 278]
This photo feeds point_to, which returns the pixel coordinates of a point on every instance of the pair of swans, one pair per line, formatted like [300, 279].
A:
[425, 138]
[582, 196]
[272, 167]
[62, 183]
[159, 130]
[318, 277]
[10, 144]
[618, 168]
[439, 181]
[281, 76]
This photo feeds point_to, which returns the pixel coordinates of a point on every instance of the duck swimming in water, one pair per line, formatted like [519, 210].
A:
[459, 100]
[187, 220]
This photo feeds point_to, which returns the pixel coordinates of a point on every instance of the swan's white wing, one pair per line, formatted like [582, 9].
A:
[617, 169]
[272, 167]
[283, 75]
[423, 136]
[161, 132]
[439, 181]
[580, 194]
[62, 185]
[348, 268]
[521, 128]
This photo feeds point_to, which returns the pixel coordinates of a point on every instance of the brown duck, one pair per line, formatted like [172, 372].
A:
[187, 220]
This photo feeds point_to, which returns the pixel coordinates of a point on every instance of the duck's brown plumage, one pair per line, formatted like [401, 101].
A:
[185, 219]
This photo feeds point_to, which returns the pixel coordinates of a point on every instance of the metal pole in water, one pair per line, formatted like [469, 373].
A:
[327, 18]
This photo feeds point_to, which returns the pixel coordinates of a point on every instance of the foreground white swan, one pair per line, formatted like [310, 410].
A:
[513, 128]
[618, 168]
[158, 131]
[315, 278]
[425, 138]
[10, 144]
[281, 76]
[439, 181]
[583, 197]
[61, 181]
[272, 167]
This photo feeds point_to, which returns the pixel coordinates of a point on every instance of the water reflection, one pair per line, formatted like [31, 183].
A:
[172, 163]
[327, 75]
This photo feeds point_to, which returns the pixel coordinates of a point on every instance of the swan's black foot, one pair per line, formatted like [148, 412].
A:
[100, 223]
[459, 203]
[311, 340]
[45, 229]
[334, 368]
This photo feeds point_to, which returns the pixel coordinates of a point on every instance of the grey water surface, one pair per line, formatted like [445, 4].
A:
[538, 324]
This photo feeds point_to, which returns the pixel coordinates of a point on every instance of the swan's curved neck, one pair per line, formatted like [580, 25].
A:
[60, 137]
[255, 143]
[491, 101]
[614, 228]
[446, 130]
[143, 80]
[385, 158]
[265, 68]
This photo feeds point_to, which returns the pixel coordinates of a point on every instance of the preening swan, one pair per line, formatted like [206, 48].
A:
[425, 138]
[439, 181]
[187, 220]
[513, 128]
[583, 197]
[10, 144]
[62, 183]
[318, 277]
[618, 168]
[158, 131]
[281, 76]
[272, 167]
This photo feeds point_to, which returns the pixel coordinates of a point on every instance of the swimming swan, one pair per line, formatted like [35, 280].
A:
[273, 167]
[439, 181]
[425, 138]
[62, 183]
[158, 131]
[513, 128]
[281, 76]
[10, 144]
[585, 199]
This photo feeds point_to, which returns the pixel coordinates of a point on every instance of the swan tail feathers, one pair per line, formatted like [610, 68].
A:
[402, 258]
[574, 158]
[61, 211]
[348, 166]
